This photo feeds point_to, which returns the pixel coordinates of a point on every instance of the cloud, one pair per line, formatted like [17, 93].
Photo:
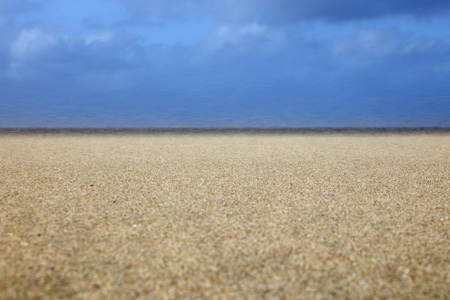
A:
[99, 37]
[10, 13]
[346, 10]
[253, 38]
[367, 43]
[31, 42]
[157, 12]
[375, 45]
[27, 48]
[284, 11]
[35, 51]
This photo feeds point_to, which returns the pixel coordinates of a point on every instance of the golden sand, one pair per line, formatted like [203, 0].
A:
[225, 217]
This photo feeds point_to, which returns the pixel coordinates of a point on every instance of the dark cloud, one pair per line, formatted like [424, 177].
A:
[284, 11]
[345, 10]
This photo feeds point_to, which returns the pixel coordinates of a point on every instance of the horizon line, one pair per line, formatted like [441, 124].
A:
[206, 130]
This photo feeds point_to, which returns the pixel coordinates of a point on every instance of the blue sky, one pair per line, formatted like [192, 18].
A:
[217, 63]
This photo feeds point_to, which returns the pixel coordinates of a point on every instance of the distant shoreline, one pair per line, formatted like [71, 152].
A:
[245, 130]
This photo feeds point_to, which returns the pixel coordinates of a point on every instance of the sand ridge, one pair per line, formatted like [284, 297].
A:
[231, 216]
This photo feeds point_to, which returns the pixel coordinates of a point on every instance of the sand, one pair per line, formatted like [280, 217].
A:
[232, 216]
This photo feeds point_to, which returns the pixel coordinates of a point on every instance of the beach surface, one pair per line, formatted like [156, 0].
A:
[225, 216]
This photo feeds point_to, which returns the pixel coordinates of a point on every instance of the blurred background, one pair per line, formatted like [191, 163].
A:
[246, 63]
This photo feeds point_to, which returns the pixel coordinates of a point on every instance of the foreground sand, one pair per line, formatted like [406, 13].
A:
[227, 216]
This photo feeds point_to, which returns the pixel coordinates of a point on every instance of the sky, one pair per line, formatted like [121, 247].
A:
[218, 63]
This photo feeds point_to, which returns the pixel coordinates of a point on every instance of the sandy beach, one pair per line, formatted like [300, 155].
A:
[230, 216]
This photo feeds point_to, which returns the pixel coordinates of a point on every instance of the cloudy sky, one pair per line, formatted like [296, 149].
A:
[224, 63]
